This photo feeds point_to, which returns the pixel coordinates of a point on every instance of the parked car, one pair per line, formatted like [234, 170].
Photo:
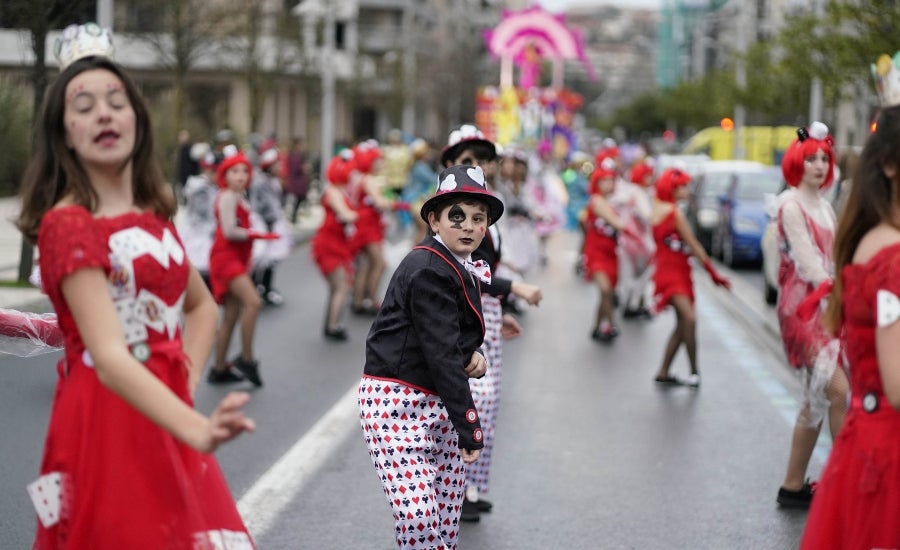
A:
[704, 206]
[743, 219]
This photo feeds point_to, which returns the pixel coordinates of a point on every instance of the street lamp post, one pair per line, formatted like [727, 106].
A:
[314, 10]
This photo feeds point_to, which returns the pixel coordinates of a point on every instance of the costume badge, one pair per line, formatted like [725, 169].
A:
[887, 307]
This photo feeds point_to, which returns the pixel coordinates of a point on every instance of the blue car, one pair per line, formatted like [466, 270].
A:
[743, 217]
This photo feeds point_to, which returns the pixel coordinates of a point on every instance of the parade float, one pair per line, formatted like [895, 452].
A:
[525, 111]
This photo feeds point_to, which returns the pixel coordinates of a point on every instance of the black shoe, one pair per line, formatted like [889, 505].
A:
[800, 498]
[227, 376]
[470, 512]
[250, 370]
[484, 505]
[630, 313]
[337, 335]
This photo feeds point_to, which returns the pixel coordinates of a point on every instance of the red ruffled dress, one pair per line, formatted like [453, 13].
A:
[369, 225]
[332, 245]
[802, 337]
[857, 502]
[600, 255]
[229, 259]
[672, 276]
[110, 478]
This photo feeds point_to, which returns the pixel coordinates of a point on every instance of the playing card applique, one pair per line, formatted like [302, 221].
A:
[887, 308]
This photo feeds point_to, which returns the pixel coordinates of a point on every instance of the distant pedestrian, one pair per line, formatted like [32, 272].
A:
[675, 243]
[418, 417]
[422, 182]
[857, 501]
[296, 176]
[806, 225]
[127, 460]
[229, 270]
[187, 165]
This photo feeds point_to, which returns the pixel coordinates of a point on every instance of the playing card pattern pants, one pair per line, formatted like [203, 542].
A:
[415, 451]
[486, 392]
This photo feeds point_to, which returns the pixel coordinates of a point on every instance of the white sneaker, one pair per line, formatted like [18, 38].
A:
[692, 380]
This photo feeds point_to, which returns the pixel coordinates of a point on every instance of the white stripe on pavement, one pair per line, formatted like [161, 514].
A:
[276, 488]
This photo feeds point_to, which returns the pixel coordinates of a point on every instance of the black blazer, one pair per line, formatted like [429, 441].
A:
[427, 328]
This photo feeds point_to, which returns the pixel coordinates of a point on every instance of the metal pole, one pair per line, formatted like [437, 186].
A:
[327, 69]
[815, 87]
[105, 14]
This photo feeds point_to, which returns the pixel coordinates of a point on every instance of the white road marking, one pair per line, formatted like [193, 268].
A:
[261, 505]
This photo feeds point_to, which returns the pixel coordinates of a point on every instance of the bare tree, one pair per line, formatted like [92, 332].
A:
[39, 17]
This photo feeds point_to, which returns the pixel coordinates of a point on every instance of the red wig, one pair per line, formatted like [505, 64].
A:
[365, 154]
[229, 163]
[606, 169]
[669, 181]
[639, 173]
[339, 168]
[807, 143]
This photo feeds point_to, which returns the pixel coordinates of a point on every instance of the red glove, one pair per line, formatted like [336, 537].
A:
[401, 206]
[714, 275]
[263, 236]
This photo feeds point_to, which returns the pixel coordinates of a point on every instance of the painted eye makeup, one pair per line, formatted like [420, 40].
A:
[456, 214]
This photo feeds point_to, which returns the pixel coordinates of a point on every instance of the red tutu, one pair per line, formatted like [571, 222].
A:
[332, 245]
[229, 259]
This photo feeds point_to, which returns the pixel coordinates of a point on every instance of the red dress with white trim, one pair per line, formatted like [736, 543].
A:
[600, 249]
[229, 259]
[331, 246]
[672, 276]
[370, 225]
[857, 502]
[110, 478]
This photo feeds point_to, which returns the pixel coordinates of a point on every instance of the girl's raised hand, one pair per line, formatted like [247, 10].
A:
[228, 420]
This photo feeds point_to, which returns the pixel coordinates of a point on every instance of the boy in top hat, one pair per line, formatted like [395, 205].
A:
[416, 410]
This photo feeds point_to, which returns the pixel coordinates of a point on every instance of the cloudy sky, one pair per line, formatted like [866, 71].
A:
[561, 5]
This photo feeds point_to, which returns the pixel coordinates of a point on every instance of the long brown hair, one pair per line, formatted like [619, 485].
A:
[871, 201]
[54, 170]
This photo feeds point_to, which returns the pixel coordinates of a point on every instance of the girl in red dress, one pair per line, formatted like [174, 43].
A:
[601, 260]
[857, 501]
[127, 461]
[371, 204]
[675, 242]
[332, 244]
[229, 269]
[805, 235]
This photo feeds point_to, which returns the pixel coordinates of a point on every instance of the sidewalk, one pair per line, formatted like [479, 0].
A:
[32, 299]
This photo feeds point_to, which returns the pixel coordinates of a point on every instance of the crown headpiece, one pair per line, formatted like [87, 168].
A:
[886, 71]
[78, 41]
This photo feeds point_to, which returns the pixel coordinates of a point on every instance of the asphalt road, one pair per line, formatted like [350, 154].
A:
[589, 452]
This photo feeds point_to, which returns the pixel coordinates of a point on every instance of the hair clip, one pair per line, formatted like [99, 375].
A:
[802, 134]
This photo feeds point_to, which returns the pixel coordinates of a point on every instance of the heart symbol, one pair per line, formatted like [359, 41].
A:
[476, 174]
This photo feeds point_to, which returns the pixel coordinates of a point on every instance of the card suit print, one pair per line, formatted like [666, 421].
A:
[476, 174]
[448, 183]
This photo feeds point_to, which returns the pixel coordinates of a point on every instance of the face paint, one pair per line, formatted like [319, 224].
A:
[456, 216]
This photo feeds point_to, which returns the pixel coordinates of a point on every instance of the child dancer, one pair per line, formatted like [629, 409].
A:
[601, 260]
[416, 410]
[805, 235]
[674, 243]
[199, 226]
[229, 269]
[857, 501]
[331, 245]
[127, 460]
[266, 197]
[499, 325]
